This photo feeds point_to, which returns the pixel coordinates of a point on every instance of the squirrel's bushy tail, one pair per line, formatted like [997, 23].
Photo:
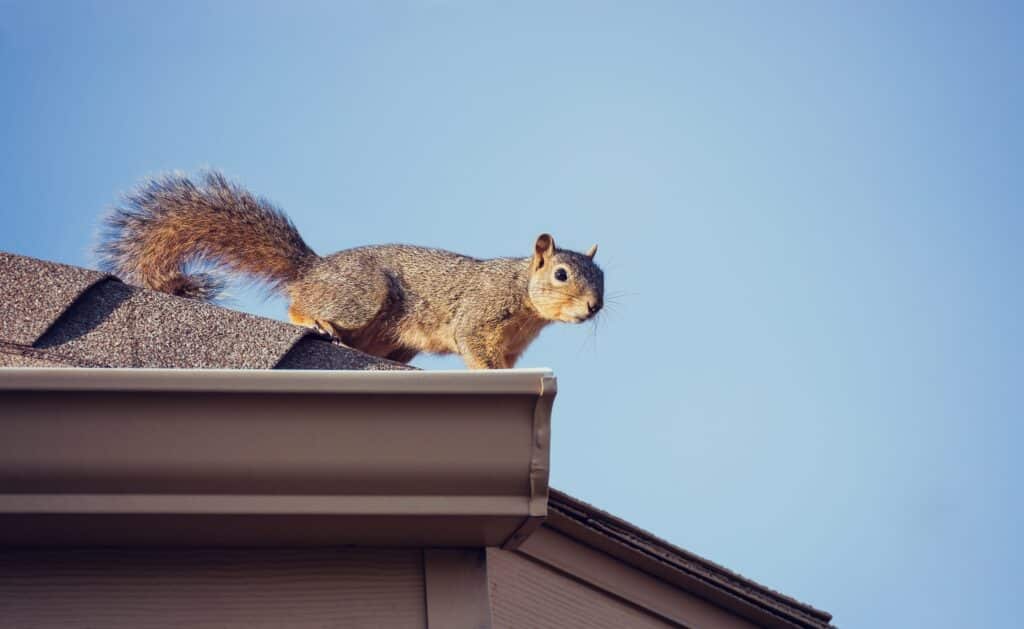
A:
[170, 222]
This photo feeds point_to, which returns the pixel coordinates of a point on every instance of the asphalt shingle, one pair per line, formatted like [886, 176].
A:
[65, 315]
[33, 293]
[22, 360]
[316, 351]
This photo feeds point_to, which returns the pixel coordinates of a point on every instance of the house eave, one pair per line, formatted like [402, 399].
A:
[251, 458]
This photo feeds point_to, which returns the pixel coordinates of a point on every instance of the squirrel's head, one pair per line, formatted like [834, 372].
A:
[565, 285]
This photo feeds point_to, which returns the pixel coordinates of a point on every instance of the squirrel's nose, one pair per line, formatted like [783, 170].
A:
[593, 307]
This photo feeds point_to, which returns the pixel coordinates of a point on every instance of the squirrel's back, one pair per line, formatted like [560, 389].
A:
[170, 222]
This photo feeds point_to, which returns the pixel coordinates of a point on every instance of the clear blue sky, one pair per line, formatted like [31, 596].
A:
[812, 213]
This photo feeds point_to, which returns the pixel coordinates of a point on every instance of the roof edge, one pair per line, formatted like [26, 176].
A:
[225, 457]
[450, 382]
[595, 527]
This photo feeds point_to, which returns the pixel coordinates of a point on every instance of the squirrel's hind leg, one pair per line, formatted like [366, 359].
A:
[297, 317]
[349, 302]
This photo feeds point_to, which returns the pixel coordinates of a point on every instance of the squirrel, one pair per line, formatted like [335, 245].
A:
[391, 301]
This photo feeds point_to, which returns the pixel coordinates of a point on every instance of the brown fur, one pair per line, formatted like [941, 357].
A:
[392, 301]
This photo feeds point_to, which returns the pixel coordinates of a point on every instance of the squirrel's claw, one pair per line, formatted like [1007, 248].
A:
[327, 329]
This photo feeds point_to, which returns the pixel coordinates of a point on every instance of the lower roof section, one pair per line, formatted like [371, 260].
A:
[229, 457]
[609, 537]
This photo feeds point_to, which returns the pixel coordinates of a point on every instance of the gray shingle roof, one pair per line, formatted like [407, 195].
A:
[58, 315]
[34, 294]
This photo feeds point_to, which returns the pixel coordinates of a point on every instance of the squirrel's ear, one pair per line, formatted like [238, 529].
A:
[543, 249]
[592, 252]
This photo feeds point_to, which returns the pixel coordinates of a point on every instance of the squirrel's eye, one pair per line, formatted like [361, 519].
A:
[561, 275]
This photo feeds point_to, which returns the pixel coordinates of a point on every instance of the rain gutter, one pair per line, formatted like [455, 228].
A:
[258, 458]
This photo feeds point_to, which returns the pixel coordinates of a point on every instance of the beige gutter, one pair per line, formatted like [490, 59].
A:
[232, 457]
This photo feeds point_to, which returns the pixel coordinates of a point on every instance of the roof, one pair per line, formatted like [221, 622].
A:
[642, 550]
[55, 315]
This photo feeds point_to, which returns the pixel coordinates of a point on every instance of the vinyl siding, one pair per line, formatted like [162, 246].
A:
[251, 589]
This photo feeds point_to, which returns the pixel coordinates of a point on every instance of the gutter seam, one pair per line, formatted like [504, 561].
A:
[540, 466]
